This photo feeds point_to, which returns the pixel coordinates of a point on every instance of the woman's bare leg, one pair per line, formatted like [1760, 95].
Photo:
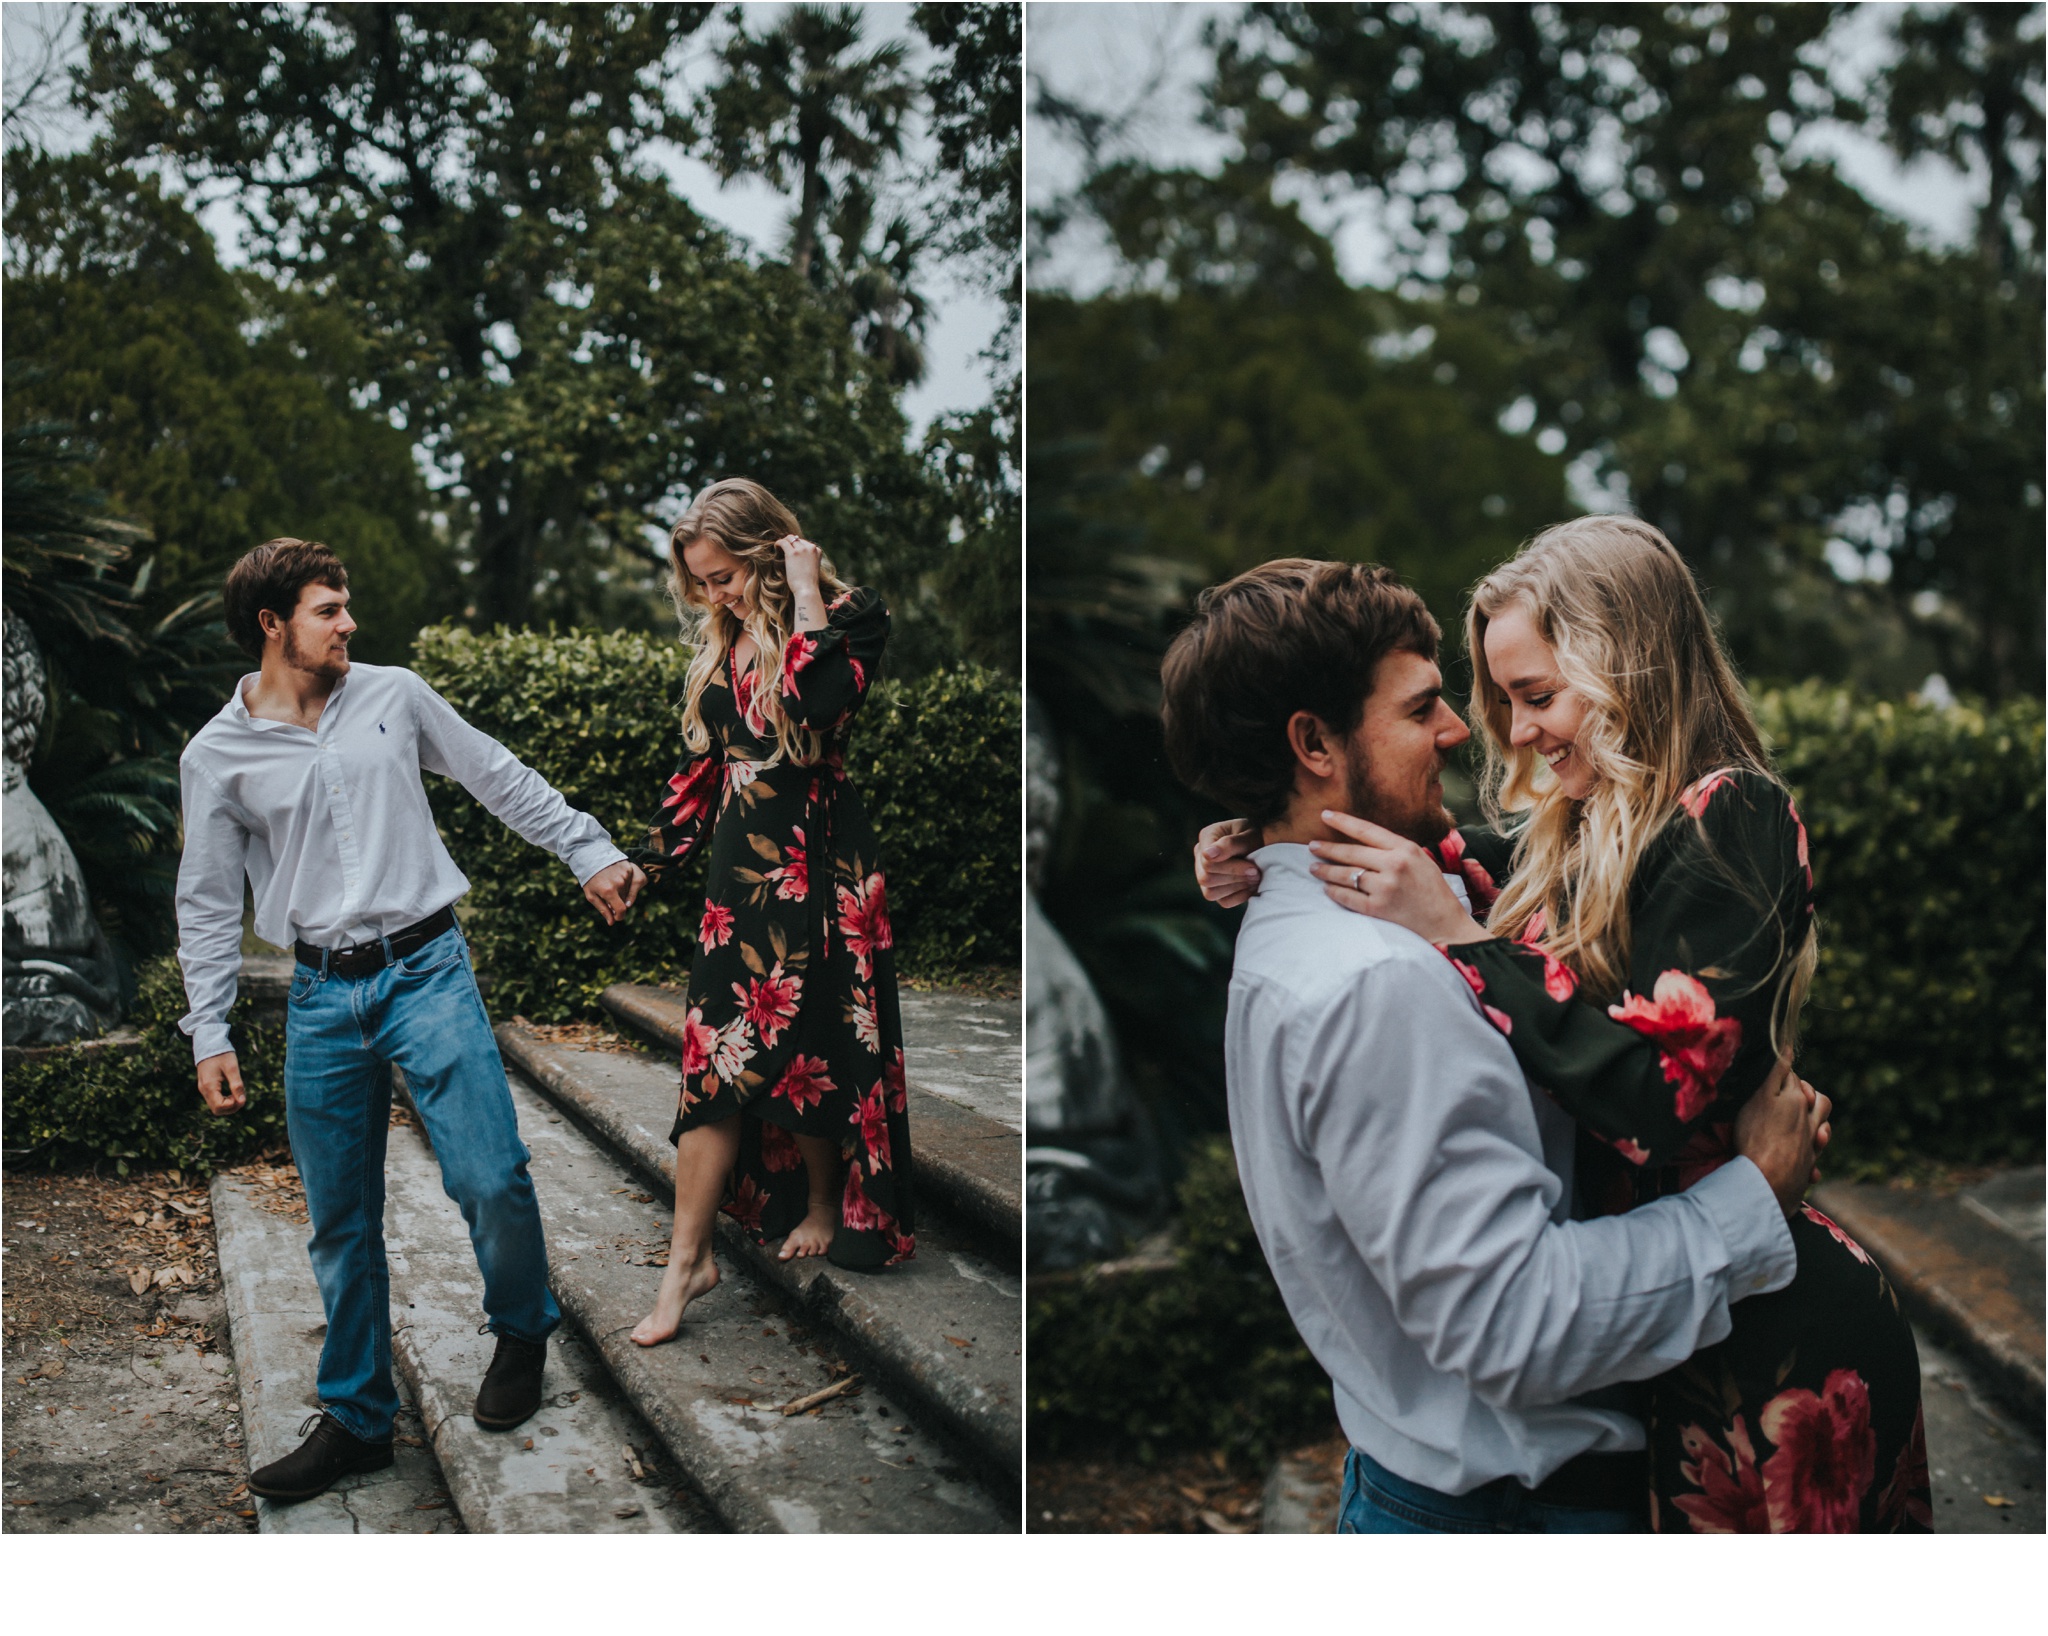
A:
[704, 1158]
[813, 1235]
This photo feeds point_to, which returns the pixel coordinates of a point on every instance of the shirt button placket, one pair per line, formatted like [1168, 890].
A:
[343, 815]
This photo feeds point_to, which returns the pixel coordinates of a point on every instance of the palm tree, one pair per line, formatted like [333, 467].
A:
[127, 679]
[875, 278]
[804, 103]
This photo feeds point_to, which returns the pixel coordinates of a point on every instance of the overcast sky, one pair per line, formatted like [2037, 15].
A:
[964, 319]
[1145, 65]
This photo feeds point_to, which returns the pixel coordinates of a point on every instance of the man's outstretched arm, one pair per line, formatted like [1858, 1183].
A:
[1425, 1131]
[523, 801]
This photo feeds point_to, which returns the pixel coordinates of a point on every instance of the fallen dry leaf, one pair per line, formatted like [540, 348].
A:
[1217, 1523]
[957, 1341]
[1997, 1499]
[138, 1280]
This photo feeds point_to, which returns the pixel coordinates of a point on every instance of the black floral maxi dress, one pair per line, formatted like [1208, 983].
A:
[793, 1022]
[1806, 1418]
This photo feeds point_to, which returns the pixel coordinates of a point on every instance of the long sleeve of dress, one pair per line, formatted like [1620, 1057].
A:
[1720, 909]
[685, 813]
[826, 674]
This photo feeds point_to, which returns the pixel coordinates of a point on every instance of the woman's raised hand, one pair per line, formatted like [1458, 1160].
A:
[800, 559]
[1223, 871]
[1393, 879]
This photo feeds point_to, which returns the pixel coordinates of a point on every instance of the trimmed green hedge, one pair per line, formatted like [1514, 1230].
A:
[936, 760]
[140, 1106]
[1925, 826]
[1924, 1025]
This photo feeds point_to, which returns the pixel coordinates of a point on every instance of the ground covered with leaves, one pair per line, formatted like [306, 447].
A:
[122, 1409]
[1182, 1494]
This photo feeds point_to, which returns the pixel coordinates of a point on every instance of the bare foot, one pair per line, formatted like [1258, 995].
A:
[680, 1285]
[812, 1235]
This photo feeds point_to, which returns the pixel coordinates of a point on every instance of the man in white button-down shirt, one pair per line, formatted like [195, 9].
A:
[308, 784]
[1410, 1191]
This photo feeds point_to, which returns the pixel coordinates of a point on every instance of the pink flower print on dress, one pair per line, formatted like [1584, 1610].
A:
[699, 1041]
[714, 931]
[1694, 1044]
[796, 659]
[1629, 1149]
[770, 1003]
[804, 1082]
[793, 876]
[1695, 796]
[1826, 1456]
[1731, 1497]
[1840, 1237]
[1805, 860]
[1452, 857]
[873, 1118]
[864, 923]
[857, 1209]
[893, 1077]
[689, 793]
[747, 1202]
[779, 1151]
[1500, 1019]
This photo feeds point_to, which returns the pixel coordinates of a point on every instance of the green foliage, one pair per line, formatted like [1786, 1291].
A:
[935, 759]
[127, 677]
[208, 404]
[1924, 1022]
[1200, 1353]
[83, 1106]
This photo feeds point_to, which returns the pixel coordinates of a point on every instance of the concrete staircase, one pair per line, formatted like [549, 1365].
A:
[693, 1434]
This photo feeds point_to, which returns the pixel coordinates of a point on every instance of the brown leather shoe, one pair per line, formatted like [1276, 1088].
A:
[511, 1389]
[320, 1462]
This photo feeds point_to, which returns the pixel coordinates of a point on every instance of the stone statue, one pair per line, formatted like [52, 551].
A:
[61, 982]
[1091, 1165]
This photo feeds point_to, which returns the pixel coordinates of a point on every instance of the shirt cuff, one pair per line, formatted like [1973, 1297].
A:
[210, 1040]
[592, 856]
[1743, 1208]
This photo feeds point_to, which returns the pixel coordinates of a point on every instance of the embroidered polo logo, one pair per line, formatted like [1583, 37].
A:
[380, 727]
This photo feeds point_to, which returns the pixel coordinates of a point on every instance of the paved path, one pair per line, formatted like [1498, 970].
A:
[969, 1051]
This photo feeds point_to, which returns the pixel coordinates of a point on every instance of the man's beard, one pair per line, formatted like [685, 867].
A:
[1420, 822]
[330, 666]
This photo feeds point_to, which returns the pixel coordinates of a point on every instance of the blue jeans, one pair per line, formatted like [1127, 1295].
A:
[1377, 1502]
[343, 1036]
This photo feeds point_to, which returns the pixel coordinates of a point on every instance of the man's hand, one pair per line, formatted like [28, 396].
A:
[613, 889]
[1781, 1130]
[220, 1085]
[1224, 880]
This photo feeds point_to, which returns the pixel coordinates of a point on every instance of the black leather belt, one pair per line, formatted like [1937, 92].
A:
[1598, 1482]
[361, 959]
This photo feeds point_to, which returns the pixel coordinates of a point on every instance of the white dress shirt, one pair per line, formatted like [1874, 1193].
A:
[333, 829]
[1410, 1192]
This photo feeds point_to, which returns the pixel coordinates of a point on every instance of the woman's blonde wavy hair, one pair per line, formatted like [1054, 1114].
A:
[747, 520]
[1633, 639]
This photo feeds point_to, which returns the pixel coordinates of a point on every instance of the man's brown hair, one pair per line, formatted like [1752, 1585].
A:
[272, 576]
[1292, 634]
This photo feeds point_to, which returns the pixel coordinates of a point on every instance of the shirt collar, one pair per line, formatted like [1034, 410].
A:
[1287, 862]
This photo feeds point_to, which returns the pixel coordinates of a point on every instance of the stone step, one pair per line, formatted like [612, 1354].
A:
[855, 1464]
[566, 1470]
[964, 1065]
[945, 1330]
[275, 1324]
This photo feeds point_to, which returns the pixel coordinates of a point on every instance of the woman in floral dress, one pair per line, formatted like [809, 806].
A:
[792, 1111]
[1647, 943]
